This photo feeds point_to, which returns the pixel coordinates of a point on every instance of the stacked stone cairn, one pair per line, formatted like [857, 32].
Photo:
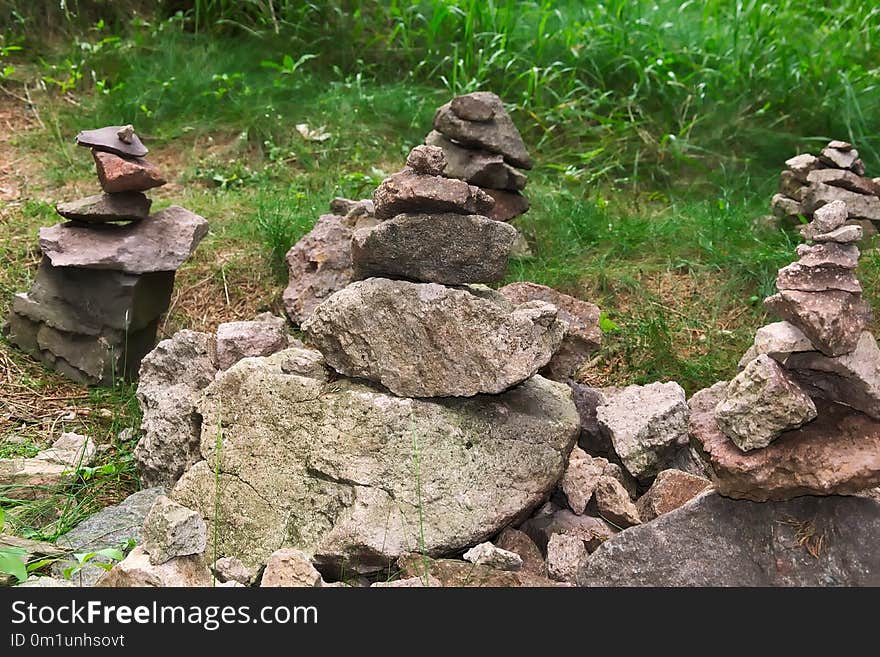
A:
[803, 415]
[107, 274]
[836, 174]
[483, 147]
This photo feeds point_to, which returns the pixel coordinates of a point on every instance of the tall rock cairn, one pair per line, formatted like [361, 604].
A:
[107, 274]
[483, 147]
[416, 323]
[836, 174]
[803, 415]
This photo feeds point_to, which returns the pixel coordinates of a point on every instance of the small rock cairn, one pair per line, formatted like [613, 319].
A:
[803, 415]
[837, 174]
[107, 275]
[483, 147]
[417, 325]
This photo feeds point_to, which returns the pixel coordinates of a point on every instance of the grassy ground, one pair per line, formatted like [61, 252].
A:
[657, 134]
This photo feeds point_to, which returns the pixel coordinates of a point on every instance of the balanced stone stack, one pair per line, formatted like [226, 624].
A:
[836, 174]
[803, 415]
[420, 425]
[483, 147]
[107, 274]
[415, 325]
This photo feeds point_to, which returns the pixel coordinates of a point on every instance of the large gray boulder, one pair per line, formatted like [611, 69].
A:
[448, 248]
[160, 243]
[172, 377]
[355, 477]
[427, 340]
[714, 541]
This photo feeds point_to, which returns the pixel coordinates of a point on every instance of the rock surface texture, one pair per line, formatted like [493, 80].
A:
[327, 467]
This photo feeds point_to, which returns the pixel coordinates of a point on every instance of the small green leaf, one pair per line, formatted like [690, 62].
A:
[12, 563]
[606, 325]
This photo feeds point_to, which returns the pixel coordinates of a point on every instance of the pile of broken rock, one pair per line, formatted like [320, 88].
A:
[803, 415]
[106, 275]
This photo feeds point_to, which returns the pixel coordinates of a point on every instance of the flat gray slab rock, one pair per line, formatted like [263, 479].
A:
[427, 340]
[106, 208]
[476, 166]
[110, 527]
[498, 134]
[107, 139]
[160, 243]
[345, 472]
[714, 541]
[451, 249]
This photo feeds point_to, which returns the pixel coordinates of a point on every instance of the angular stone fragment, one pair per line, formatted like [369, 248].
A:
[408, 191]
[508, 205]
[592, 438]
[498, 134]
[785, 207]
[761, 403]
[477, 167]
[107, 140]
[779, 340]
[172, 378]
[843, 235]
[859, 206]
[829, 217]
[474, 107]
[817, 279]
[327, 467]
[344, 206]
[829, 255]
[843, 158]
[451, 249]
[318, 265]
[802, 165]
[124, 174]
[136, 570]
[791, 186]
[833, 321]
[427, 160]
[290, 568]
[513, 540]
[646, 424]
[592, 531]
[71, 449]
[846, 179]
[670, 490]
[171, 530]
[427, 340]
[264, 335]
[713, 541]
[580, 478]
[230, 569]
[111, 527]
[565, 556]
[486, 554]
[614, 503]
[583, 336]
[161, 243]
[105, 208]
[838, 453]
[852, 379]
